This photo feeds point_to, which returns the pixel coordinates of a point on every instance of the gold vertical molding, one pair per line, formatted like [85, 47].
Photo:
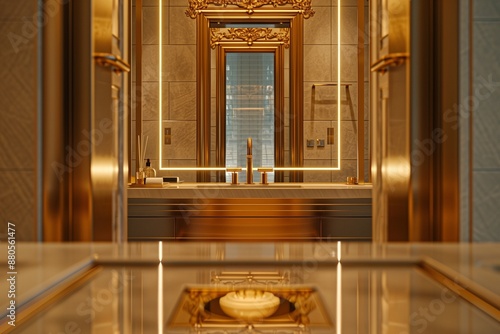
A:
[278, 51]
[127, 36]
[279, 119]
[138, 77]
[103, 159]
[361, 90]
[82, 102]
[220, 117]
[447, 207]
[54, 186]
[297, 98]
[420, 200]
[203, 100]
[394, 164]
[124, 110]
[434, 197]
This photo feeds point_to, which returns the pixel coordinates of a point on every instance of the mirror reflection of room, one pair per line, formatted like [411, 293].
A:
[320, 139]
[250, 110]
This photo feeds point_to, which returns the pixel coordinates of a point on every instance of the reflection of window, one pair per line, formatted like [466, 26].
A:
[250, 109]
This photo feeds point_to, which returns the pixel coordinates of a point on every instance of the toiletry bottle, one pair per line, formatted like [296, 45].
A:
[139, 176]
[149, 171]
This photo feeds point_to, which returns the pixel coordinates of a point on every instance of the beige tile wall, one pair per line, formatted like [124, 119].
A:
[18, 42]
[486, 121]
[178, 86]
[320, 108]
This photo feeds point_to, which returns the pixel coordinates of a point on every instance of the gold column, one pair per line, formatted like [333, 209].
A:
[391, 120]
[297, 98]
[416, 179]
[138, 77]
[203, 97]
[361, 90]
[279, 121]
[54, 161]
[220, 118]
[421, 121]
[434, 194]
[448, 177]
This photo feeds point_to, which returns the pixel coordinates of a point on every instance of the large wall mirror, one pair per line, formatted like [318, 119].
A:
[213, 75]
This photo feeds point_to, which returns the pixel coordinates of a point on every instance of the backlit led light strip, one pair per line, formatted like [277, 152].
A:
[339, 104]
[160, 85]
[160, 288]
[274, 168]
[338, 312]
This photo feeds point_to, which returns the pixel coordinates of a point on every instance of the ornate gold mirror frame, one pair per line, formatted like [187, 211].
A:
[206, 12]
[270, 45]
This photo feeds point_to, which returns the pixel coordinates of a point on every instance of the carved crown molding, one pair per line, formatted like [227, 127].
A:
[250, 35]
[195, 6]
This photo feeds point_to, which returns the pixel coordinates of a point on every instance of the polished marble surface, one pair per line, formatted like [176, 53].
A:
[273, 190]
[362, 287]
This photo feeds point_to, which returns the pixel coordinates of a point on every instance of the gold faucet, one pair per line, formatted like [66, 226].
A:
[249, 161]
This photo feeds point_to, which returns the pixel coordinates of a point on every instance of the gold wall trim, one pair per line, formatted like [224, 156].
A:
[249, 35]
[278, 51]
[447, 82]
[138, 74]
[203, 100]
[220, 116]
[196, 6]
[361, 88]
[297, 104]
[54, 186]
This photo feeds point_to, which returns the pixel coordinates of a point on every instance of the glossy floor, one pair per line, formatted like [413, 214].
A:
[173, 288]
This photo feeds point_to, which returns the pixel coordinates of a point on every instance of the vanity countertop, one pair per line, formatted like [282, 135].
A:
[273, 190]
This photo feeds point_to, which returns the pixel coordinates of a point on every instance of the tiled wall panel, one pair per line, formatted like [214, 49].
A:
[486, 120]
[18, 37]
[320, 103]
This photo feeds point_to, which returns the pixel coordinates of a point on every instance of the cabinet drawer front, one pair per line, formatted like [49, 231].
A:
[151, 228]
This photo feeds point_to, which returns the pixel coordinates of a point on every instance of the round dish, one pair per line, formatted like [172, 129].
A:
[249, 305]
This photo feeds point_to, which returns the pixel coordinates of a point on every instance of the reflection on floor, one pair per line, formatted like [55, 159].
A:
[318, 291]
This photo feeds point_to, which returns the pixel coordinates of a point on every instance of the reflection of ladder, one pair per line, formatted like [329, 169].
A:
[329, 131]
[333, 84]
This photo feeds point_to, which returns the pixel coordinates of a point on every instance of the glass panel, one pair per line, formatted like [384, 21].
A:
[250, 110]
